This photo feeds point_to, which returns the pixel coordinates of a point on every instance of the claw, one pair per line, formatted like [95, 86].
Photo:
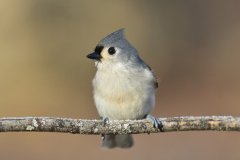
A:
[156, 122]
[105, 120]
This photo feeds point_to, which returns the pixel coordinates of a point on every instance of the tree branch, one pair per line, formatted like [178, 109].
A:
[80, 126]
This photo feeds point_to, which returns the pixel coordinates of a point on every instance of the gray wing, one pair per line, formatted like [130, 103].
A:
[156, 79]
[138, 61]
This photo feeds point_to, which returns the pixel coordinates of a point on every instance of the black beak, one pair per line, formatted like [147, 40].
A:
[95, 56]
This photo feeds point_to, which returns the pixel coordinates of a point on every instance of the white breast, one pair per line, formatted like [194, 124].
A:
[120, 93]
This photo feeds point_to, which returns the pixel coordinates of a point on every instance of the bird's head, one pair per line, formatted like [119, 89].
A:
[113, 49]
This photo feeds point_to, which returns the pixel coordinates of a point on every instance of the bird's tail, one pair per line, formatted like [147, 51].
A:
[121, 141]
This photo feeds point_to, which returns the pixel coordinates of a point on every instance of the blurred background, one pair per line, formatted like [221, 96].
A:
[193, 47]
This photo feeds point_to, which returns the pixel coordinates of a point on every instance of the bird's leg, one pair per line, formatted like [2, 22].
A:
[156, 122]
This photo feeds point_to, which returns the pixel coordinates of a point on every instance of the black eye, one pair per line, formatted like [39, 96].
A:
[111, 50]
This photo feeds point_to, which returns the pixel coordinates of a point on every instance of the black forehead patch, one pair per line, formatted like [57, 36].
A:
[98, 49]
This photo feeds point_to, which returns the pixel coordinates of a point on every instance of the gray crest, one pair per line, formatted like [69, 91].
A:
[113, 38]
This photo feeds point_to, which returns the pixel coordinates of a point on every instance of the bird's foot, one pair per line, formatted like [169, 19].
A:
[105, 120]
[156, 122]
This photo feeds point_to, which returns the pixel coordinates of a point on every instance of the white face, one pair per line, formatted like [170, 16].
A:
[109, 53]
[109, 56]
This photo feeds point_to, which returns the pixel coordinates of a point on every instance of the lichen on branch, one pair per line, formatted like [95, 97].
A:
[97, 127]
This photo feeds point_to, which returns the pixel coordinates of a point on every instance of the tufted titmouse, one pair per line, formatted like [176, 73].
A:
[123, 86]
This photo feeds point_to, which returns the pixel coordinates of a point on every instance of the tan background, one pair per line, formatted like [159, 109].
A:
[193, 46]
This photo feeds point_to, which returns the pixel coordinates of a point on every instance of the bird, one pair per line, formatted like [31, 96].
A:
[124, 86]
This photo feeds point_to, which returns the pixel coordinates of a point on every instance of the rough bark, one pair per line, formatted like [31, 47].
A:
[97, 127]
